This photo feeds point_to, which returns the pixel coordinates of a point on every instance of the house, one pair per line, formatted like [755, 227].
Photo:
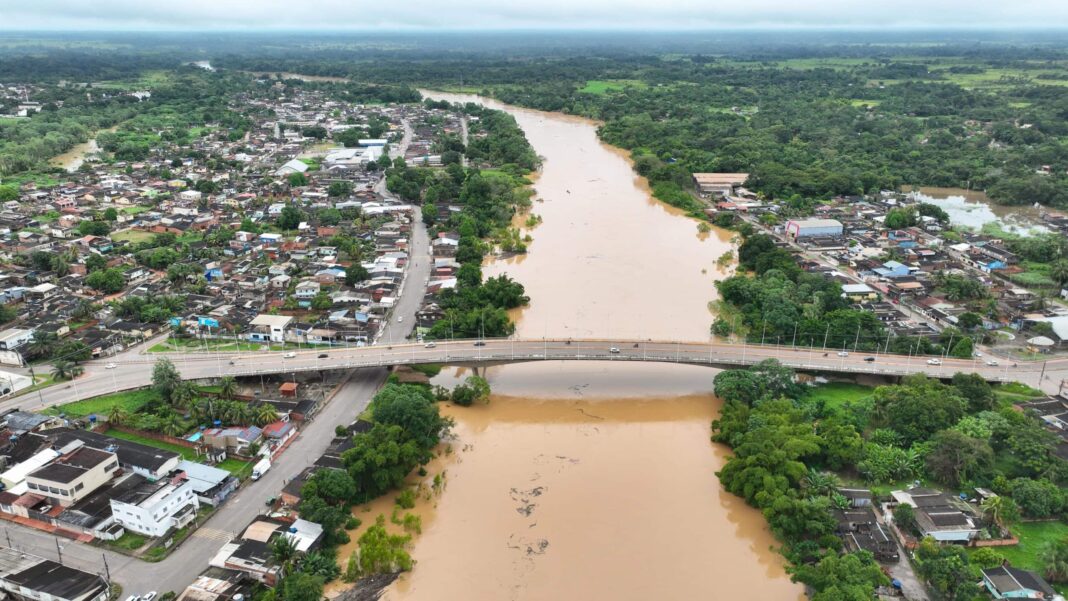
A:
[13, 338]
[1005, 582]
[938, 515]
[269, 328]
[217, 584]
[24, 576]
[236, 439]
[211, 484]
[810, 228]
[150, 462]
[153, 508]
[17, 473]
[74, 475]
[858, 497]
[307, 290]
[859, 292]
[860, 530]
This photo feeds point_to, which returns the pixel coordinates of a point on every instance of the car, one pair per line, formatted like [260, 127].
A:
[430, 345]
[480, 343]
[133, 598]
[869, 359]
[992, 363]
[613, 350]
[110, 366]
[323, 355]
[843, 354]
[934, 362]
[289, 355]
[400, 319]
[149, 597]
[977, 354]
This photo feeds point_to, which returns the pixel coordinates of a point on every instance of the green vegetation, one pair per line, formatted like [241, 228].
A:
[185, 452]
[130, 401]
[595, 86]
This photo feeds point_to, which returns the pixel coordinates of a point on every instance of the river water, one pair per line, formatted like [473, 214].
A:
[592, 480]
[974, 209]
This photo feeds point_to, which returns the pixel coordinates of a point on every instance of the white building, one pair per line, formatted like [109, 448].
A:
[269, 327]
[153, 508]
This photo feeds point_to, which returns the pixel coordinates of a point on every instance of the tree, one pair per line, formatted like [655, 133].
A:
[382, 552]
[354, 274]
[9, 192]
[110, 214]
[969, 320]
[1001, 511]
[963, 349]
[413, 409]
[905, 518]
[338, 189]
[183, 394]
[947, 571]
[322, 301]
[108, 281]
[297, 180]
[283, 551]
[901, 217]
[300, 586]
[975, 390]
[1058, 271]
[227, 387]
[1037, 498]
[41, 343]
[118, 415]
[380, 459]
[73, 350]
[265, 414]
[919, 407]
[290, 217]
[66, 370]
[165, 378]
[954, 457]
[1054, 557]
[845, 577]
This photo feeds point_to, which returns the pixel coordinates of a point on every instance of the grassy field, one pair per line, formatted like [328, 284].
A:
[1015, 392]
[136, 210]
[191, 345]
[132, 401]
[185, 452]
[132, 236]
[1033, 537]
[604, 86]
[838, 394]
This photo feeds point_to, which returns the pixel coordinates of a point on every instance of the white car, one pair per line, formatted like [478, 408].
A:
[149, 597]
[977, 354]
[934, 362]
[289, 355]
[110, 366]
[992, 363]
[400, 319]
[613, 350]
[430, 345]
[843, 354]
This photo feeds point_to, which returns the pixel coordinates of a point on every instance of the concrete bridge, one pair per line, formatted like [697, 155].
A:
[135, 370]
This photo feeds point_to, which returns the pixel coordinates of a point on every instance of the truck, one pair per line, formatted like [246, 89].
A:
[261, 468]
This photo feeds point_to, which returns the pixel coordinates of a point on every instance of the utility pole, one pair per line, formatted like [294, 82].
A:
[59, 551]
[107, 570]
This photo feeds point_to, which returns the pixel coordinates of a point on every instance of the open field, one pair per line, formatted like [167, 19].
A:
[131, 401]
[603, 86]
[837, 394]
[132, 236]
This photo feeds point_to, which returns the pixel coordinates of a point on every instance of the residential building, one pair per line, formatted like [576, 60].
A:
[810, 228]
[1004, 582]
[27, 577]
[938, 515]
[73, 475]
[153, 508]
[269, 328]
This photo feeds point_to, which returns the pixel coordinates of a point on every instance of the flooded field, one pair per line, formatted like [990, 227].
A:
[76, 156]
[592, 480]
[973, 209]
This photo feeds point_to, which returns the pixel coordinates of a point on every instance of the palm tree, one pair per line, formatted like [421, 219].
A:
[1054, 557]
[184, 393]
[265, 414]
[992, 508]
[819, 483]
[118, 415]
[227, 387]
[1058, 270]
[172, 425]
[63, 370]
[41, 343]
[284, 551]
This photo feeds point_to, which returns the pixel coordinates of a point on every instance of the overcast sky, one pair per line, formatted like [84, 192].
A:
[525, 14]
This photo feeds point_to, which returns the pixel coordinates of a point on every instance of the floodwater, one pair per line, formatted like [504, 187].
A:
[592, 480]
[76, 156]
[974, 209]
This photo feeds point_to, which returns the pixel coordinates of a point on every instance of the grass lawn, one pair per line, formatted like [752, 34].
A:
[131, 401]
[236, 467]
[136, 210]
[1033, 536]
[130, 541]
[132, 236]
[185, 452]
[1015, 392]
[837, 394]
[603, 86]
[192, 345]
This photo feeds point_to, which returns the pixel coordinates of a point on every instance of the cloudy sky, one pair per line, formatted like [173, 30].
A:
[525, 14]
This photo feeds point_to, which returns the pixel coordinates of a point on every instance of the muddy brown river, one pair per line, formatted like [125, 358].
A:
[592, 480]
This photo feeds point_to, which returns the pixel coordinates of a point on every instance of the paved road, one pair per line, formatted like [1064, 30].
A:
[136, 371]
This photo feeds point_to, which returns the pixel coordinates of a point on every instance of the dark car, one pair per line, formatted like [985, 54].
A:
[869, 359]
[323, 355]
[480, 343]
